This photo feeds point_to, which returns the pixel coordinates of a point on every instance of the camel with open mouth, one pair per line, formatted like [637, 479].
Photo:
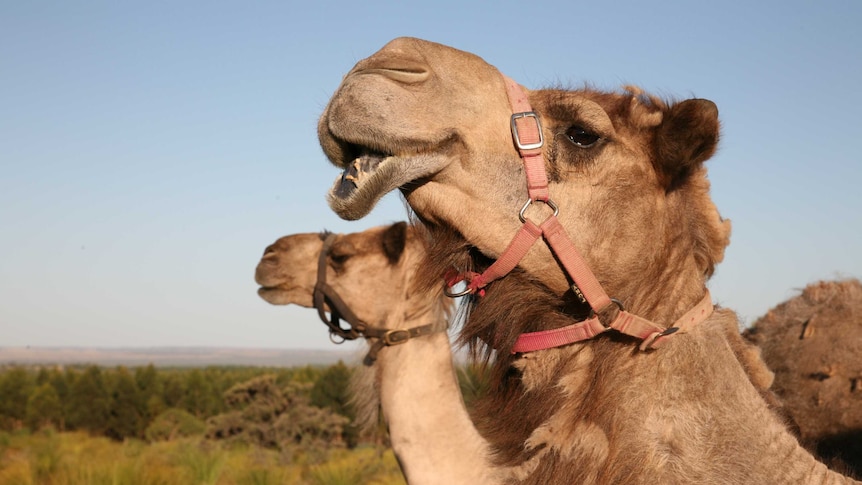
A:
[368, 279]
[582, 225]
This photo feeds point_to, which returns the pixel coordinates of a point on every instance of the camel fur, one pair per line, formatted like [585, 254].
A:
[813, 343]
[627, 173]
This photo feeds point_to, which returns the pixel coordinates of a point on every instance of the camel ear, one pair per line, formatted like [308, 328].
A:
[687, 136]
[394, 240]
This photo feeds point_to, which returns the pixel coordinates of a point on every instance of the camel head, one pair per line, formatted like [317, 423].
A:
[625, 169]
[370, 270]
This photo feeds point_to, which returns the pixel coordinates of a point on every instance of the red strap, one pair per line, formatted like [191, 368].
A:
[631, 324]
[510, 257]
[529, 132]
[652, 335]
[574, 264]
[546, 339]
[696, 315]
[528, 138]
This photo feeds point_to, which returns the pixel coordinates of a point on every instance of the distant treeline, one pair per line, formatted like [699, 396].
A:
[266, 406]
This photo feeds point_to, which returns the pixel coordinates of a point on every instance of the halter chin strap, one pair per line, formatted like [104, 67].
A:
[527, 135]
[324, 295]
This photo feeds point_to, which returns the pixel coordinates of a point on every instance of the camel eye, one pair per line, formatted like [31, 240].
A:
[581, 137]
[340, 253]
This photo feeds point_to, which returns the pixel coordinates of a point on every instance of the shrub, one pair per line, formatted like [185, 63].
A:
[174, 423]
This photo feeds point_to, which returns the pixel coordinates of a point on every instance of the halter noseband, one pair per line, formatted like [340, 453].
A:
[528, 138]
[324, 295]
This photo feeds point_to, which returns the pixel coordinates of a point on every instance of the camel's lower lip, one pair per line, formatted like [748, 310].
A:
[363, 182]
[372, 174]
[355, 173]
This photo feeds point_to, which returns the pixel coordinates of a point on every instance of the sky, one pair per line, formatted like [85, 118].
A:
[150, 151]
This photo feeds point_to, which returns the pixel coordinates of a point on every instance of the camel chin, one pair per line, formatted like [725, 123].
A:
[280, 296]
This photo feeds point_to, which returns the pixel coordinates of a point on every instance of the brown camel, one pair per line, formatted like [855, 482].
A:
[373, 272]
[626, 187]
[813, 342]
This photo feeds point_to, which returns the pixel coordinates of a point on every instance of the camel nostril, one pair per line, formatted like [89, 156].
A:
[269, 251]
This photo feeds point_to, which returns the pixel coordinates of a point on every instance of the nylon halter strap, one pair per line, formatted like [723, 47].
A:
[528, 138]
[324, 295]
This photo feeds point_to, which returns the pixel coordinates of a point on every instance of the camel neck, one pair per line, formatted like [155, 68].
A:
[687, 413]
[424, 408]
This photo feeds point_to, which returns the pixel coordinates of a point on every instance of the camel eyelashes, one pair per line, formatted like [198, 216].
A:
[581, 137]
[339, 258]
[340, 253]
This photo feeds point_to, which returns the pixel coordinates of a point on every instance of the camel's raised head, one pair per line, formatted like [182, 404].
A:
[406, 113]
[369, 269]
[625, 169]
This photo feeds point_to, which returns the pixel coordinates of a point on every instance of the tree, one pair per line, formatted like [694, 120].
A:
[308, 426]
[199, 398]
[151, 390]
[173, 389]
[88, 404]
[42, 376]
[332, 391]
[43, 408]
[125, 410]
[15, 388]
[262, 413]
[253, 405]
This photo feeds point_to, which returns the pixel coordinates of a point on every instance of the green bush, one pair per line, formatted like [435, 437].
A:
[172, 424]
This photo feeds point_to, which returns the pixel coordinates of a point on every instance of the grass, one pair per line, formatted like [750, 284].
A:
[51, 458]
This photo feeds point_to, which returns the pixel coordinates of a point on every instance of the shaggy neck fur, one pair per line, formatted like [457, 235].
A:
[602, 412]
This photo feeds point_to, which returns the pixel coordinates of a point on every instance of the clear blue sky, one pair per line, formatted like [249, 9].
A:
[149, 151]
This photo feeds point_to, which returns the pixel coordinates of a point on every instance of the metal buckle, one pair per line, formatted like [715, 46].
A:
[549, 202]
[517, 138]
[395, 337]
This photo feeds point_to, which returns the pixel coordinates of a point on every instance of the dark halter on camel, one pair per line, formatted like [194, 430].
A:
[324, 295]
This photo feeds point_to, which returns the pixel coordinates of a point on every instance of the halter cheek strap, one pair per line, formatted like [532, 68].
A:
[528, 138]
[324, 295]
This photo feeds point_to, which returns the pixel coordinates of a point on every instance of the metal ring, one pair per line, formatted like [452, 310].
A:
[455, 294]
[550, 203]
[619, 305]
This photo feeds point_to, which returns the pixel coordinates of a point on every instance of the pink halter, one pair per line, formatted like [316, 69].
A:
[528, 138]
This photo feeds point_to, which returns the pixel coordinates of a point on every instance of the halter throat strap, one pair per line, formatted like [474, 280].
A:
[528, 139]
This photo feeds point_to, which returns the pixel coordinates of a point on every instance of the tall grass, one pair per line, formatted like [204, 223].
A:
[51, 458]
[365, 466]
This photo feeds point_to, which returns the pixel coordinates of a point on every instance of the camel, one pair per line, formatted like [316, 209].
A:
[813, 342]
[372, 273]
[582, 224]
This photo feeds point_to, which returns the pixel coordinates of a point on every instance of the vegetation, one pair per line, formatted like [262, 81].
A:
[216, 425]
[76, 458]
[120, 403]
